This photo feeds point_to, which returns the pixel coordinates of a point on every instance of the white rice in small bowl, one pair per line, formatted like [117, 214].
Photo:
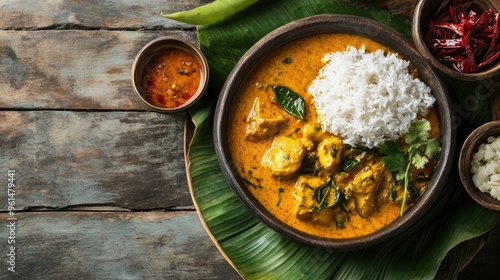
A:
[485, 167]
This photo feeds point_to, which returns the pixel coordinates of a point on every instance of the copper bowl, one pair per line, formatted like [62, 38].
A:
[469, 148]
[149, 51]
[330, 23]
[424, 10]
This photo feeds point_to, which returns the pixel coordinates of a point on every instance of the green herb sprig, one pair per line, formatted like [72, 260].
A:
[323, 194]
[421, 149]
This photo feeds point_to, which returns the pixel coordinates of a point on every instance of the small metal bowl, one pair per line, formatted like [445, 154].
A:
[469, 148]
[424, 10]
[152, 49]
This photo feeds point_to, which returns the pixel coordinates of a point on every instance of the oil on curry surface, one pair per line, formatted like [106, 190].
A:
[262, 135]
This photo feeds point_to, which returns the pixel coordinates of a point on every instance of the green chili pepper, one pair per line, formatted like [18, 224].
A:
[212, 12]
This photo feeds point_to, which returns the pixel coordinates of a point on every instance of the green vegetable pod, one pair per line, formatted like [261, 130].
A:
[212, 12]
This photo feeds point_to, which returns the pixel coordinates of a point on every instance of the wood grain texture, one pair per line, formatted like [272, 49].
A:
[72, 69]
[132, 160]
[90, 245]
[108, 14]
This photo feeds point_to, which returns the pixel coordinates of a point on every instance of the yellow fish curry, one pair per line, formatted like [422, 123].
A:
[306, 176]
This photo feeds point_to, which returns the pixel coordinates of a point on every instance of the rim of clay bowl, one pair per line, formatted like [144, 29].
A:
[328, 23]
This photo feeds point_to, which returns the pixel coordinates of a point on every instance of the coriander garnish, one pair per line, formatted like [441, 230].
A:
[421, 148]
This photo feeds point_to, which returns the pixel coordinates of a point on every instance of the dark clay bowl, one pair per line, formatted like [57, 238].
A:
[469, 148]
[329, 24]
[424, 10]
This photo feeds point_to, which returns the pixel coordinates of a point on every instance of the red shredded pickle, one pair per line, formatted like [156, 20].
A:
[464, 36]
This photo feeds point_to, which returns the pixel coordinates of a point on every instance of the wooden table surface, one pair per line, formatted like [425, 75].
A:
[101, 189]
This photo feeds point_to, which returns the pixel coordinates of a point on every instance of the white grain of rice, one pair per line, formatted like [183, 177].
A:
[485, 167]
[368, 98]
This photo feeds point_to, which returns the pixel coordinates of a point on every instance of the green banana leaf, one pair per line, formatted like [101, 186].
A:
[446, 235]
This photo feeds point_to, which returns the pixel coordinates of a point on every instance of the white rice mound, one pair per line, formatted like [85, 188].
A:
[485, 167]
[368, 98]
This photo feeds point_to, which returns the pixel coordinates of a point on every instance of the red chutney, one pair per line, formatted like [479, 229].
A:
[171, 78]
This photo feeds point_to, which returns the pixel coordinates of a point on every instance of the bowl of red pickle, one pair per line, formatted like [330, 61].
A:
[460, 38]
[170, 74]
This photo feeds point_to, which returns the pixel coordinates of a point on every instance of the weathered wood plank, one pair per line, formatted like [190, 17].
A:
[71, 69]
[132, 160]
[112, 14]
[89, 245]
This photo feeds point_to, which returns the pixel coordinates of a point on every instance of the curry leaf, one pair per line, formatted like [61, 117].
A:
[348, 164]
[322, 194]
[290, 101]
[249, 183]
